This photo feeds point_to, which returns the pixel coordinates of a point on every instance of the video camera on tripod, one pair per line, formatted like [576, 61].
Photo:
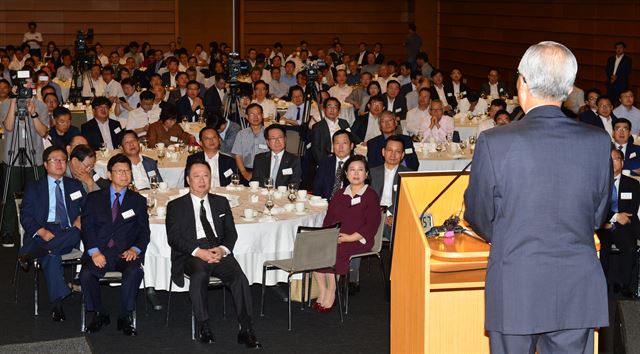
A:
[312, 69]
[235, 67]
[82, 63]
[23, 93]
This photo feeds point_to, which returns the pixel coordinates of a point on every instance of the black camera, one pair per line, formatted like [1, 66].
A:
[237, 66]
[312, 69]
[83, 60]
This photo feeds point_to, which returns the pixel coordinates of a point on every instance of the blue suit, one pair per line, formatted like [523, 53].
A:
[130, 229]
[631, 157]
[523, 196]
[325, 177]
[374, 152]
[34, 213]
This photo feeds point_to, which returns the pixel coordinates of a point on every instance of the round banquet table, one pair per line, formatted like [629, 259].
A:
[172, 171]
[435, 161]
[258, 240]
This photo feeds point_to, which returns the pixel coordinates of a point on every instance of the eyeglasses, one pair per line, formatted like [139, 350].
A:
[61, 161]
[121, 172]
[622, 129]
[276, 139]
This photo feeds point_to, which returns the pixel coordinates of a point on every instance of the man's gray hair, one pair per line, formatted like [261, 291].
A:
[549, 69]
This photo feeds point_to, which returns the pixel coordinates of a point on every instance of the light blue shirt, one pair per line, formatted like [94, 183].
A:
[224, 132]
[632, 115]
[248, 145]
[292, 112]
[289, 81]
[51, 216]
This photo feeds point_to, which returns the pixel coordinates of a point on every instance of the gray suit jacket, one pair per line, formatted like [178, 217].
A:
[539, 187]
[377, 182]
[229, 137]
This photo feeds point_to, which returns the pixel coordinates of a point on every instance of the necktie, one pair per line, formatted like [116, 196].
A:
[614, 197]
[115, 207]
[337, 184]
[298, 114]
[208, 231]
[620, 147]
[274, 168]
[61, 211]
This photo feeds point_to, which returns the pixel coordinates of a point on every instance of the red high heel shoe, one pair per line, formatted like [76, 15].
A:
[327, 309]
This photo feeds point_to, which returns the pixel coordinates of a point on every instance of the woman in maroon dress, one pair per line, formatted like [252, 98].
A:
[357, 209]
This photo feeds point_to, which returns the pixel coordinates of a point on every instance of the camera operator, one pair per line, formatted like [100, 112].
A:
[31, 129]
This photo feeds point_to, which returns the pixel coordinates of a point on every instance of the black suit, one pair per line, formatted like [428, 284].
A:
[374, 152]
[621, 268]
[448, 91]
[325, 178]
[321, 140]
[486, 89]
[91, 131]
[399, 108]
[182, 237]
[99, 232]
[379, 59]
[622, 75]
[405, 89]
[212, 101]
[226, 167]
[448, 87]
[183, 107]
[594, 119]
[289, 170]
[166, 79]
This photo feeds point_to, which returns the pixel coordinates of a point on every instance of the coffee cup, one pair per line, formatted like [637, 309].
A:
[163, 187]
[160, 146]
[161, 211]
[254, 185]
[302, 194]
[299, 207]
[289, 207]
[249, 213]
[282, 189]
[277, 194]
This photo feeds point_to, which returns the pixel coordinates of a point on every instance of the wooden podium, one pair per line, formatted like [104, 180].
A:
[437, 285]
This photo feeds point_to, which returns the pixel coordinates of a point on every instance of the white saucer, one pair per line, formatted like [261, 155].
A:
[300, 212]
[252, 219]
[302, 199]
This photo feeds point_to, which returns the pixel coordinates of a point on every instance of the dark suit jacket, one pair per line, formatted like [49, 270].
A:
[379, 59]
[226, 167]
[98, 228]
[35, 205]
[321, 140]
[325, 177]
[399, 106]
[91, 131]
[359, 127]
[448, 87]
[166, 79]
[174, 97]
[543, 270]
[181, 230]
[289, 162]
[405, 89]
[486, 89]
[591, 118]
[149, 165]
[623, 72]
[631, 187]
[229, 136]
[212, 102]
[374, 152]
[376, 174]
[183, 107]
[451, 96]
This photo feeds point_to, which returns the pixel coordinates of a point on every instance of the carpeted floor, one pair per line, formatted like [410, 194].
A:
[365, 329]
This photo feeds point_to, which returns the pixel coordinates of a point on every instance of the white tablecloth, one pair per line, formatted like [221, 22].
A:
[257, 241]
[172, 172]
[443, 161]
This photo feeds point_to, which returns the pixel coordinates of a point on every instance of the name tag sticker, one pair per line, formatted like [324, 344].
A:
[501, 89]
[395, 187]
[449, 94]
[127, 214]
[309, 146]
[355, 201]
[228, 173]
[117, 130]
[221, 215]
[262, 146]
[464, 92]
[408, 151]
[398, 109]
[633, 154]
[626, 196]
[174, 139]
[76, 195]
[348, 129]
[151, 173]
[287, 171]
[96, 177]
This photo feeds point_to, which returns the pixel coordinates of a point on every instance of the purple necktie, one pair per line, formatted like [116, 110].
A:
[115, 208]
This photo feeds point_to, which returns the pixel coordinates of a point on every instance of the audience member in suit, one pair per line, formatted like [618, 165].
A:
[621, 229]
[214, 98]
[223, 166]
[630, 151]
[249, 142]
[407, 88]
[604, 117]
[80, 166]
[101, 129]
[358, 93]
[228, 130]
[587, 112]
[180, 90]
[201, 233]
[328, 176]
[494, 88]
[618, 71]
[100, 183]
[323, 131]
[143, 168]
[456, 85]
[50, 216]
[166, 130]
[496, 105]
[169, 78]
[377, 53]
[367, 127]
[158, 62]
[278, 164]
[189, 105]
[439, 91]
[557, 278]
[114, 64]
[388, 126]
[62, 131]
[361, 57]
[422, 64]
[115, 235]
[394, 102]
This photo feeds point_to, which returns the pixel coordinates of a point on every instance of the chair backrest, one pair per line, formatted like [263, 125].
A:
[377, 241]
[293, 142]
[18, 201]
[315, 248]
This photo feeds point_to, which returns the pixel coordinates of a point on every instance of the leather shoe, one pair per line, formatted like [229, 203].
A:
[204, 334]
[125, 323]
[25, 262]
[249, 339]
[354, 288]
[57, 313]
[99, 320]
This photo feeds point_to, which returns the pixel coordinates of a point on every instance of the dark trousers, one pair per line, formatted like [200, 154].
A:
[620, 268]
[49, 254]
[565, 341]
[20, 177]
[229, 271]
[132, 274]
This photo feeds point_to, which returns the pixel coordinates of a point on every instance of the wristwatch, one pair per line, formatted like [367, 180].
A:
[35, 115]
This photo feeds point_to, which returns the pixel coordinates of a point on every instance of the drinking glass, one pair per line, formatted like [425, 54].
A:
[269, 204]
[151, 203]
[161, 154]
[268, 183]
[235, 180]
[153, 182]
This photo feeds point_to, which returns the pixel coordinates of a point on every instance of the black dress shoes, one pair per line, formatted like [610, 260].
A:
[354, 288]
[204, 334]
[125, 323]
[25, 262]
[99, 320]
[249, 339]
[57, 313]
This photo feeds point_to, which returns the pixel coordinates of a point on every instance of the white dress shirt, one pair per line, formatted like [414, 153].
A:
[106, 133]
[494, 90]
[199, 228]
[373, 128]
[416, 120]
[140, 178]
[274, 161]
[269, 108]
[387, 189]
[615, 66]
[607, 124]
[213, 162]
[340, 92]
